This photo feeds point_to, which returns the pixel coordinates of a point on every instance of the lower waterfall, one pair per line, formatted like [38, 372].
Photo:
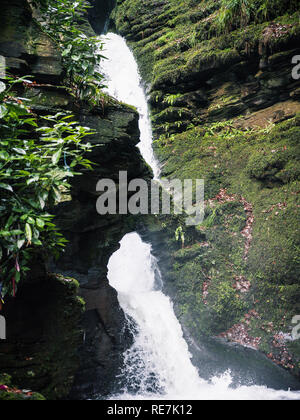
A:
[158, 365]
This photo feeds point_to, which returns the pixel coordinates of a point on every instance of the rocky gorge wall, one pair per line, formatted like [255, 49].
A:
[225, 108]
[65, 329]
[92, 241]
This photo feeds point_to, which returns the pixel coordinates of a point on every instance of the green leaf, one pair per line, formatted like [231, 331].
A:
[6, 233]
[6, 187]
[3, 111]
[28, 232]
[31, 180]
[18, 150]
[40, 223]
[16, 232]
[10, 221]
[2, 87]
[42, 202]
[56, 157]
[67, 50]
[20, 243]
[4, 155]
[30, 121]
[37, 242]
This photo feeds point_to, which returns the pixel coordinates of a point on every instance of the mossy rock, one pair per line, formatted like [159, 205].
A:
[8, 392]
[44, 333]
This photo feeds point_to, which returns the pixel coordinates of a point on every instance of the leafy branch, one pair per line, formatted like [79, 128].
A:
[33, 174]
[63, 20]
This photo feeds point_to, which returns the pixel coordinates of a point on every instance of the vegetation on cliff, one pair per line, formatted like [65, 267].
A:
[45, 350]
[33, 174]
[65, 21]
[225, 108]
[39, 154]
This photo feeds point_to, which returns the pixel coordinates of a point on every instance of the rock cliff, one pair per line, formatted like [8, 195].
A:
[60, 328]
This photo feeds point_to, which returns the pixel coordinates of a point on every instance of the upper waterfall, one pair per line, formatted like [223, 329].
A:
[124, 83]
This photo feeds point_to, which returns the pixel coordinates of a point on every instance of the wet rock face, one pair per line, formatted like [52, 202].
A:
[43, 335]
[105, 338]
[52, 340]
[99, 14]
[26, 48]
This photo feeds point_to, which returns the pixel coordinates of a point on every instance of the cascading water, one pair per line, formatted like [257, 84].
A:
[159, 359]
[125, 84]
[158, 365]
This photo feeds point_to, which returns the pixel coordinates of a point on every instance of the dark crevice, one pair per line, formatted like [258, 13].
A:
[99, 14]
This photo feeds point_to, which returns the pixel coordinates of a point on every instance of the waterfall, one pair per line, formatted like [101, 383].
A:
[158, 365]
[125, 84]
[159, 350]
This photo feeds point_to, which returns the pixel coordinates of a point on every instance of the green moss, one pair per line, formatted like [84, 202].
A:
[225, 306]
[208, 129]
[228, 157]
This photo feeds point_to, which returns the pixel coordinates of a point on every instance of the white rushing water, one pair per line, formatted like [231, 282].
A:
[158, 365]
[124, 83]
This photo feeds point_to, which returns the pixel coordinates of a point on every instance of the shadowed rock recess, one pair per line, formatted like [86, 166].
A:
[225, 109]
